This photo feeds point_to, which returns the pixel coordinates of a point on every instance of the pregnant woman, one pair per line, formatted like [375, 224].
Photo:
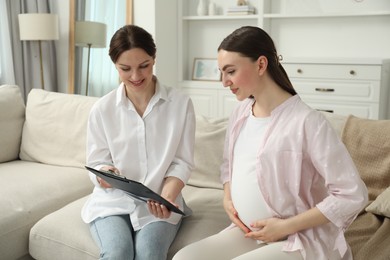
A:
[291, 187]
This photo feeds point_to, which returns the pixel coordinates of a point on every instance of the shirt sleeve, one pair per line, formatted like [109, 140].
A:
[183, 162]
[98, 153]
[347, 192]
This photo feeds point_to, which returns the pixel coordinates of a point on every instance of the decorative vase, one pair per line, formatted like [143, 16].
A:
[202, 7]
[212, 9]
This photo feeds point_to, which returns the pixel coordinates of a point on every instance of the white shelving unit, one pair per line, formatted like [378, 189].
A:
[343, 86]
[200, 36]
[322, 15]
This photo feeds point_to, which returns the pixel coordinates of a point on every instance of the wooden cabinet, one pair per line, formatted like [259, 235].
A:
[351, 86]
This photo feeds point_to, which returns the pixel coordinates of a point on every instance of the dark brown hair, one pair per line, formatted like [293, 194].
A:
[129, 37]
[253, 42]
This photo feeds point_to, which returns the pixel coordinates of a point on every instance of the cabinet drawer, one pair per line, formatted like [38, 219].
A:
[360, 110]
[204, 101]
[367, 91]
[332, 71]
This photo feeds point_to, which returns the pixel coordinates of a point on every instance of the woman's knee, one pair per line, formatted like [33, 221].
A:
[117, 253]
[113, 235]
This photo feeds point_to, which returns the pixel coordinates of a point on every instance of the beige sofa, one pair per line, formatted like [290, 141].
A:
[40, 165]
[42, 155]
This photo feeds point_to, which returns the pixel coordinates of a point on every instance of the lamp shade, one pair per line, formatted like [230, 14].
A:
[38, 27]
[90, 33]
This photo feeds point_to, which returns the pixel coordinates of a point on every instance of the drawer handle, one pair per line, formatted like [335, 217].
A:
[325, 89]
[325, 110]
[299, 71]
[352, 72]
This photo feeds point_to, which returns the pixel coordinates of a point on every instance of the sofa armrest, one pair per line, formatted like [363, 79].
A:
[12, 114]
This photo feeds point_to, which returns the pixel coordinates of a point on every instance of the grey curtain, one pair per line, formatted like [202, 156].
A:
[26, 53]
[79, 16]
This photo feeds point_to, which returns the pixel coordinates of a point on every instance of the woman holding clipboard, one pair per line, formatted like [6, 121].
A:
[145, 132]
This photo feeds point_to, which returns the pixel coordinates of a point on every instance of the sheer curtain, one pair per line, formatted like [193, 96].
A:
[20, 60]
[103, 76]
[7, 74]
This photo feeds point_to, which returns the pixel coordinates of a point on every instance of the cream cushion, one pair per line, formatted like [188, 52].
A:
[209, 142]
[381, 205]
[208, 218]
[63, 233]
[336, 121]
[55, 128]
[12, 118]
[29, 192]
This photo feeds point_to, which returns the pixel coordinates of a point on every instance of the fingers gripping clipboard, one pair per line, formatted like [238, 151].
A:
[134, 188]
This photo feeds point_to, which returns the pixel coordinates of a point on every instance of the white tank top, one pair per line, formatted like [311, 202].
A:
[245, 192]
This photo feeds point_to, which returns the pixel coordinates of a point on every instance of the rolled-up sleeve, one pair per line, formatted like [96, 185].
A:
[347, 192]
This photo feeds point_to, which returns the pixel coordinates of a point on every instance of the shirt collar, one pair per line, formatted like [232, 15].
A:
[276, 110]
[160, 93]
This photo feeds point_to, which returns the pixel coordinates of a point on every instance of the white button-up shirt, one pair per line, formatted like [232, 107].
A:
[146, 149]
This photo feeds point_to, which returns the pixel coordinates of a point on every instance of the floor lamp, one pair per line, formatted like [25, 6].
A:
[38, 27]
[91, 35]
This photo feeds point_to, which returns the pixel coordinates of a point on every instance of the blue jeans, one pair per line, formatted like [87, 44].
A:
[116, 238]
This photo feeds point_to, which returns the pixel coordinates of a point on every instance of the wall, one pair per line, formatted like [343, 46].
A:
[341, 37]
[367, 37]
[159, 19]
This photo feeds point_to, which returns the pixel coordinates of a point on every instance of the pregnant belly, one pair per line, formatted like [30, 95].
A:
[249, 203]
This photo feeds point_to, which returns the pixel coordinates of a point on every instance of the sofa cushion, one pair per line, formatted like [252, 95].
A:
[208, 218]
[55, 128]
[381, 205]
[65, 235]
[209, 142]
[368, 143]
[29, 192]
[336, 121]
[11, 122]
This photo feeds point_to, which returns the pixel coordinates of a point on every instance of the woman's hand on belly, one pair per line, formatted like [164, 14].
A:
[268, 230]
[233, 215]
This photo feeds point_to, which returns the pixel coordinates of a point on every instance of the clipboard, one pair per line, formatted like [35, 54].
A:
[134, 188]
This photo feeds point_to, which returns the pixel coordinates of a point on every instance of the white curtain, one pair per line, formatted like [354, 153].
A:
[7, 75]
[103, 76]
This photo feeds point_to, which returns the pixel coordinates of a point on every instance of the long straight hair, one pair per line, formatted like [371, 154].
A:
[253, 42]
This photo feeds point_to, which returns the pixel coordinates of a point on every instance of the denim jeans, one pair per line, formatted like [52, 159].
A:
[117, 240]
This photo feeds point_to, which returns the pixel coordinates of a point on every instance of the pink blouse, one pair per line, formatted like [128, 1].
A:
[302, 164]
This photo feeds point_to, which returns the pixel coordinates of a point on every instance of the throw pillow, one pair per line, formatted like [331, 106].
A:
[209, 142]
[381, 206]
[55, 128]
[368, 142]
